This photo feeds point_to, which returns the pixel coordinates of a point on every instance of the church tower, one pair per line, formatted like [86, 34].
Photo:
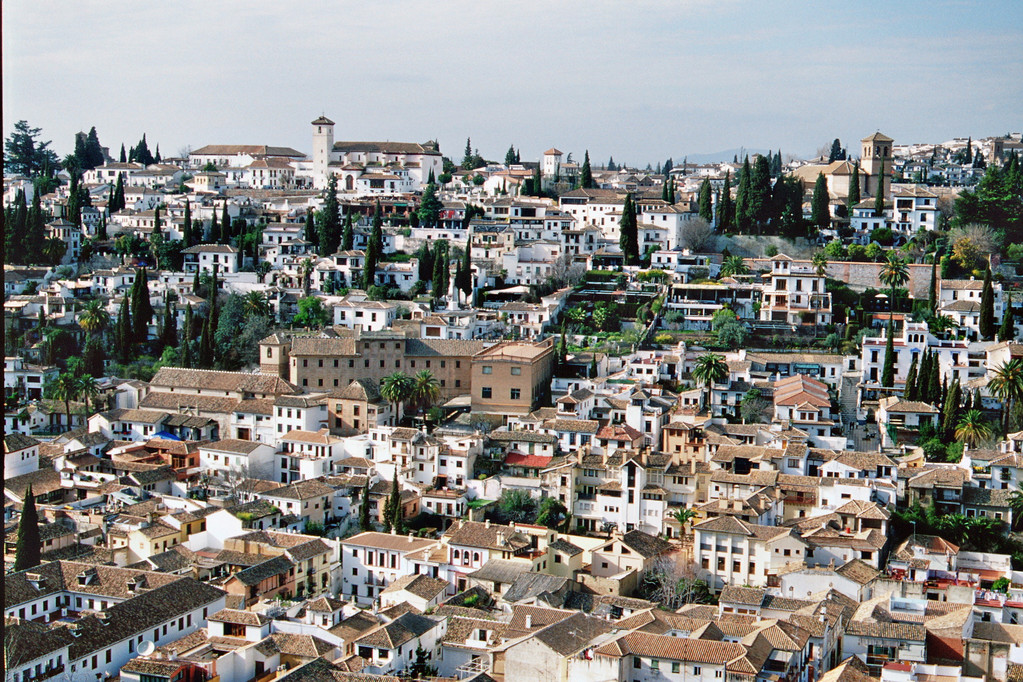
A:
[876, 163]
[323, 144]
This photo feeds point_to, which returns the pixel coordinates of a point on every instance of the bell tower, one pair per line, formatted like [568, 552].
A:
[876, 162]
[323, 144]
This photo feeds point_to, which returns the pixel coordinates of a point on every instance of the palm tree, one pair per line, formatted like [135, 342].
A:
[397, 389]
[894, 273]
[1016, 505]
[54, 250]
[683, 515]
[1007, 386]
[88, 389]
[734, 265]
[65, 387]
[306, 269]
[94, 318]
[426, 388]
[256, 304]
[710, 369]
[820, 263]
[940, 325]
[973, 428]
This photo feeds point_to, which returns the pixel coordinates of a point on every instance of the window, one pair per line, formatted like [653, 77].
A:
[676, 667]
[486, 392]
[516, 371]
[635, 662]
[487, 369]
[655, 664]
[516, 393]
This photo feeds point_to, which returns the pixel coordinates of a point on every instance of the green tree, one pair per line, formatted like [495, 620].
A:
[893, 274]
[397, 389]
[734, 265]
[909, 392]
[142, 305]
[516, 505]
[311, 313]
[393, 517]
[88, 390]
[441, 271]
[932, 291]
[950, 412]
[628, 238]
[726, 212]
[854, 187]
[426, 388]
[347, 233]
[973, 428]
[879, 196]
[125, 339]
[509, 156]
[710, 369]
[820, 211]
[704, 202]
[65, 388]
[365, 524]
[1007, 386]
[429, 207]
[29, 544]
[744, 216]
[1007, 330]
[586, 174]
[819, 260]
[552, 513]
[888, 372]
[760, 205]
[464, 279]
[987, 308]
[330, 220]
[24, 154]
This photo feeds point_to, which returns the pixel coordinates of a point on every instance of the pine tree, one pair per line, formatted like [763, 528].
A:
[509, 156]
[29, 546]
[836, 151]
[987, 308]
[348, 233]
[888, 372]
[628, 238]
[364, 521]
[820, 211]
[1007, 330]
[743, 207]
[467, 158]
[585, 174]
[932, 292]
[909, 392]
[726, 212]
[950, 412]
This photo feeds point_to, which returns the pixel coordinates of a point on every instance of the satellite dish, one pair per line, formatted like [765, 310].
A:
[147, 648]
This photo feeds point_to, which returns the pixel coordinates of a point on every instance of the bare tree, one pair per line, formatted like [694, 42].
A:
[672, 582]
[972, 243]
[696, 234]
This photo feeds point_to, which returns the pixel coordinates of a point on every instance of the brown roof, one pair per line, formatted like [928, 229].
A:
[241, 382]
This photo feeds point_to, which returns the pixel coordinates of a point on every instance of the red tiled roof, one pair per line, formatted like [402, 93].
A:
[516, 459]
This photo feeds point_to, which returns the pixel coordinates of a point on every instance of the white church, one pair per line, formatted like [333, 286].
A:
[367, 168]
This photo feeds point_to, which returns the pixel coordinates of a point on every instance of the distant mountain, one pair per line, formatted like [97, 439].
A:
[725, 155]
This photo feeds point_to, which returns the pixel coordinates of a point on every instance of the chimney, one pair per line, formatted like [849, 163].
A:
[529, 622]
[486, 524]
[410, 538]
[393, 531]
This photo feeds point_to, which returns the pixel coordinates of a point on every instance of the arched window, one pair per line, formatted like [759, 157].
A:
[349, 182]
[455, 554]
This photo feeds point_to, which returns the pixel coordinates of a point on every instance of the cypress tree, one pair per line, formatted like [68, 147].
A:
[888, 372]
[910, 390]
[310, 234]
[142, 305]
[987, 308]
[392, 508]
[743, 210]
[923, 378]
[1007, 330]
[29, 547]
[206, 343]
[950, 412]
[934, 384]
[760, 190]
[225, 226]
[214, 236]
[664, 190]
[726, 211]
[932, 292]
[119, 193]
[125, 342]
[348, 234]
[440, 272]
[364, 521]
[330, 220]
[169, 334]
[124, 155]
[157, 222]
[186, 340]
[376, 234]
[820, 212]
[186, 229]
[628, 238]
[854, 186]
[879, 195]
[969, 150]
[671, 192]
[585, 174]
[704, 202]
[466, 282]
[425, 262]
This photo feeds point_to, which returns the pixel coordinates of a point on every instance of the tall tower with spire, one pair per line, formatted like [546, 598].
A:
[323, 144]
[876, 163]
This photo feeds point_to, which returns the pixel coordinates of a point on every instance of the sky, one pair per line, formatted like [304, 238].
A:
[641, 80]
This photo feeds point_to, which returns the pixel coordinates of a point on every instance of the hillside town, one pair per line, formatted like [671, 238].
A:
[385, 411]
